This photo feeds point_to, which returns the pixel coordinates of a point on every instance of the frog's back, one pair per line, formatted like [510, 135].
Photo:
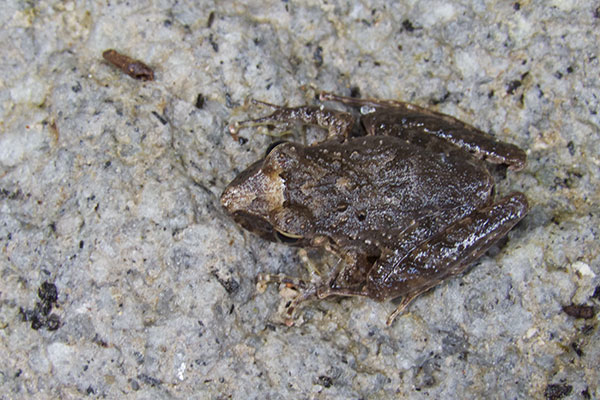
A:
[384, 184]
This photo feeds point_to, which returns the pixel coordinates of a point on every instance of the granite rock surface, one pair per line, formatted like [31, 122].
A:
[121, 276]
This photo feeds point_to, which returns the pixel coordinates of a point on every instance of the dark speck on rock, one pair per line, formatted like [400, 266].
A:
[408, 26]
[512, 86]
[557, 391]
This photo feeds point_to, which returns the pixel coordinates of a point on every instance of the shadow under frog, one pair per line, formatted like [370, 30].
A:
[405, 206]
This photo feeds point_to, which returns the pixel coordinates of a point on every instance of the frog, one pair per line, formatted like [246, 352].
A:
[403, 196]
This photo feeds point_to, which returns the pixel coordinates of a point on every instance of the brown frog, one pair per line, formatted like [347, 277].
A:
[403, 197]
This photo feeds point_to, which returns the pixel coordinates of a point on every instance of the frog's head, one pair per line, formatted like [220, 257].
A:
[256, 198]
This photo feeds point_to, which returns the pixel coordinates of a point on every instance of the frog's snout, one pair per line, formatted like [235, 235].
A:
[228, 198]
[254, 192]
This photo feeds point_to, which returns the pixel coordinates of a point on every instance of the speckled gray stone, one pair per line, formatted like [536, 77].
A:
[109, 190]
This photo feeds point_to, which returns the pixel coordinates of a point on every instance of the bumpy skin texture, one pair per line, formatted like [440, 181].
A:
[406, 205]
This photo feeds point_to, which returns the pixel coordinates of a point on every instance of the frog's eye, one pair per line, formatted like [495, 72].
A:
[273, 145]
[287, 238]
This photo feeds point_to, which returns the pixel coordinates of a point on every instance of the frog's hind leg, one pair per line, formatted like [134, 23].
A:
[452, 250]
[410, 121]
[337, 123]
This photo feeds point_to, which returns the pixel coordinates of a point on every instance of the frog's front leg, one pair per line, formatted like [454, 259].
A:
[293, 290]
[338, 123]
[444, 255]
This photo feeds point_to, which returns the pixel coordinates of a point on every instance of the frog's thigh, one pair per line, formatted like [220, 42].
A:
[451, 251]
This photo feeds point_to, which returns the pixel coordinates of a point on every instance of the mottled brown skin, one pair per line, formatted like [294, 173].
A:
[405, 206]
[134, 68]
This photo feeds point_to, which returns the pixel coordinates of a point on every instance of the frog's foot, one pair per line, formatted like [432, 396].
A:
[292, 305]
[337, 123]
[291, 282]
[293, 292]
